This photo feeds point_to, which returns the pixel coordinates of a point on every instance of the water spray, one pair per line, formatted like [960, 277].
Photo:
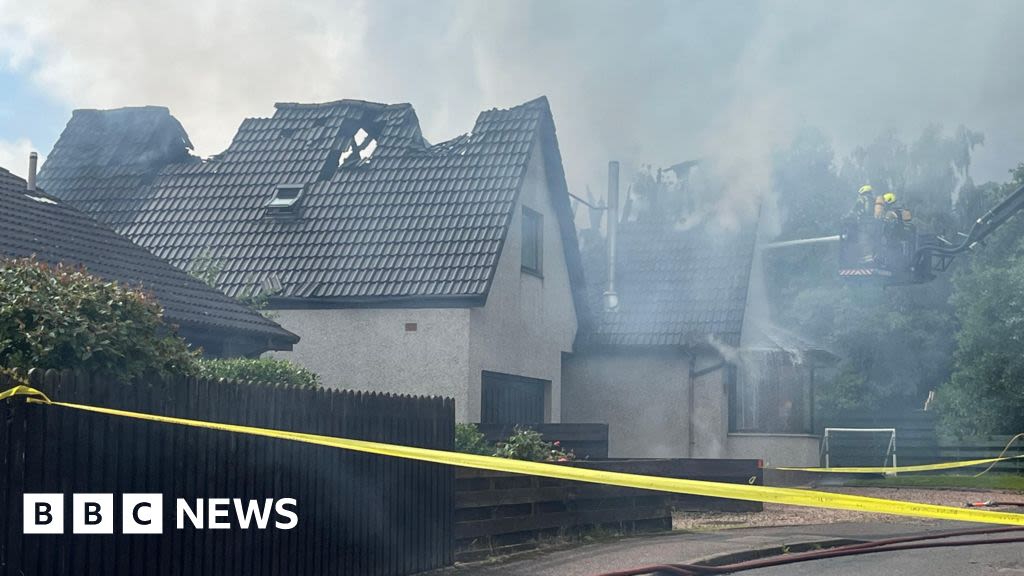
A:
[802, 242]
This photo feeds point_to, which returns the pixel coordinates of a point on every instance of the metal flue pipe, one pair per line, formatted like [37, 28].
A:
[611, 298]
[33, 161]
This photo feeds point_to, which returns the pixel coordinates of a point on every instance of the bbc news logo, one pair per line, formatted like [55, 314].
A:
[44, 513]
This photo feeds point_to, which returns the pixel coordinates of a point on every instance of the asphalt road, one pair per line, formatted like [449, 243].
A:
[597, 558]
[996, 559]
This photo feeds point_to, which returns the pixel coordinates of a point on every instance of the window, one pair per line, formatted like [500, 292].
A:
[285, 200]
[770, 393]
[533, 242]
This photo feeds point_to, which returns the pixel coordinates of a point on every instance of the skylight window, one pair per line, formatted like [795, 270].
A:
[285, 201]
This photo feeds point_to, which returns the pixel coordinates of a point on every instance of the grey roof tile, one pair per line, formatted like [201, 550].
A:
[442, 206]
[56, 232]
[676, 287]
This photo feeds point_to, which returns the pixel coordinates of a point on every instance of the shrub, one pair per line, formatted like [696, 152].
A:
[527, 444]
[258, 370]
[63, 317]
[469, 440]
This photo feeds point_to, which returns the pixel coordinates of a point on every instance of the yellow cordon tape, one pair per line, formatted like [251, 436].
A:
[790, 496]
[901, 469]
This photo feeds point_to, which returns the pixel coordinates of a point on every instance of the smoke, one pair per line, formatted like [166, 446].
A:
[652, 82]
[14, 156]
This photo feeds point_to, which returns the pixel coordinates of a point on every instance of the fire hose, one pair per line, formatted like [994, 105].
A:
[872, 547]
[1005, 448]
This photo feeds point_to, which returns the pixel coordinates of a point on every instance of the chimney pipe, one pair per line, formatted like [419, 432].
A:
[33, 159]
[611, 298]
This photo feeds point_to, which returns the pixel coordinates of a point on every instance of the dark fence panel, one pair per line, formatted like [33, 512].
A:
[585, 440]
[728, 470]
[986, 447]
[498, 513]
[358, 513]
[917, 442]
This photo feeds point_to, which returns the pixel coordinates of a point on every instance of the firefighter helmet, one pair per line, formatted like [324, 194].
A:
[865, 189]
[889, 198]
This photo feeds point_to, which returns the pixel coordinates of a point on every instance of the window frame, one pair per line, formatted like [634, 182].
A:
[536, 220]
[735, 387]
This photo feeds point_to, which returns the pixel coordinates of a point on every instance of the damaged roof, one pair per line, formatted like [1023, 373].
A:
[35, 224]
[335, 204]
[676, 287]
[104, 159]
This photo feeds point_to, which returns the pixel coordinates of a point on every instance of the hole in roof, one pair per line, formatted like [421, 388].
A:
[367, 151]
[360, 136]
[344, 156]
[358, 142]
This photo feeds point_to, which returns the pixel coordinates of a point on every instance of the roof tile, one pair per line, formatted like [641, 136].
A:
[55, 232]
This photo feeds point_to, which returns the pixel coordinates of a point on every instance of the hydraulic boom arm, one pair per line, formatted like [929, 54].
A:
[985, 225]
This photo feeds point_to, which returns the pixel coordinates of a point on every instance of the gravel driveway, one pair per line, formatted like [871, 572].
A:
[782, 515]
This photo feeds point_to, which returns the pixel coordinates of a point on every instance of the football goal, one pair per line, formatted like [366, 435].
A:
[848, 447]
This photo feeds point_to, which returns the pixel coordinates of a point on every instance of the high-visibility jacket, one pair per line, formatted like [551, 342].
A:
[864, 205]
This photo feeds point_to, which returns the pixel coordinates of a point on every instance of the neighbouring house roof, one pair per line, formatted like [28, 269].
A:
[676, 287]
[36, 224]
[404, 223]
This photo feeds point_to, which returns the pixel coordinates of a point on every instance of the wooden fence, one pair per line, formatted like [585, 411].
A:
[985, 447]
[585, 440]
[358, 513]
[499, 513]
[917, 442]
[728, 470]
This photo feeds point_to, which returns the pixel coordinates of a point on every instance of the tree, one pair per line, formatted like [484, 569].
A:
[896, 343]
[63, 317]
[985, 394]
[207, 269]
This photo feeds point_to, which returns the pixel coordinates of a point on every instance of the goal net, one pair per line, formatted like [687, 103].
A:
[846, 447]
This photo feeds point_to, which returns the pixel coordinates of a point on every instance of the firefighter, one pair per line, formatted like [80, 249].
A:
[857, 224]
[864, 201]
[894, 230]
[889, 209]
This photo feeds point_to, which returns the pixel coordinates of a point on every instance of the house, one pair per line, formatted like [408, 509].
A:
[449, 269]
[675, 361]
[36, 224]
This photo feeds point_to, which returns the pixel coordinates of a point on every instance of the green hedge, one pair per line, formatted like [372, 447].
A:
[258, 370]
[63, 317]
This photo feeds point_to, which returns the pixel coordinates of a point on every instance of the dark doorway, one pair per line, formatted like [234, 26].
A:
[508, 399]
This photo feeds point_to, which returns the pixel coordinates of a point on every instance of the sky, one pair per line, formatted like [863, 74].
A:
[648, 82]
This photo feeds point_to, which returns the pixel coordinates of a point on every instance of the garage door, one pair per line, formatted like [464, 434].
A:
[510, 399]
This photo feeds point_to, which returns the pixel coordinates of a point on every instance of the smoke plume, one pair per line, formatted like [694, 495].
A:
[651, 82]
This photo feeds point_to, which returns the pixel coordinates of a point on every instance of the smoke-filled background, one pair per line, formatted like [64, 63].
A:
[644, 82]
[794, 102]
